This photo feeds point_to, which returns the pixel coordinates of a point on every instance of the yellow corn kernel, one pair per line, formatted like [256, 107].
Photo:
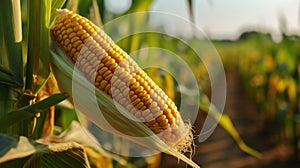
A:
[116, 73]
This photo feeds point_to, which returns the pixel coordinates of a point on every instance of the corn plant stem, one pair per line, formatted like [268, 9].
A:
[6, 100]
[11, 57]
[38, 68]
[11, 39]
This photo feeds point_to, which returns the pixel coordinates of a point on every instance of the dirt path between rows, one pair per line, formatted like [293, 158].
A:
[221, 151]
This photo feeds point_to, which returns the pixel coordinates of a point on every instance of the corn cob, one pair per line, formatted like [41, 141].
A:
[113, 71]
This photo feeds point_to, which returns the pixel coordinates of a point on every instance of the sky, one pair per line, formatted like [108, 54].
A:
[227, 19]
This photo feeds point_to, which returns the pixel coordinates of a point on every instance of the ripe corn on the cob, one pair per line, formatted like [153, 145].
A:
[113, 71]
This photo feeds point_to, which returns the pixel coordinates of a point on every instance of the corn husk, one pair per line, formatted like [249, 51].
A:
[110, 116]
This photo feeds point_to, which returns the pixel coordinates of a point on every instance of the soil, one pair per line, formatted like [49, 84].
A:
[220, 150]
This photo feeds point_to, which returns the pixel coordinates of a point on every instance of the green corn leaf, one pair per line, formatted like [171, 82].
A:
[7, 77]
[66, 116]
[227, 124]
[73, 5]
[11, 38]
[13, 148]
[30, 111]
[136, 22]
[83, 7]
[95, 14]
[38, 68]
[139, 6]
[74, 134]
[11, 59]
[5, 70]
[55, 4]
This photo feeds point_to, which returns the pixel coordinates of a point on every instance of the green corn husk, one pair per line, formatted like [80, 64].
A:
[118, 117]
